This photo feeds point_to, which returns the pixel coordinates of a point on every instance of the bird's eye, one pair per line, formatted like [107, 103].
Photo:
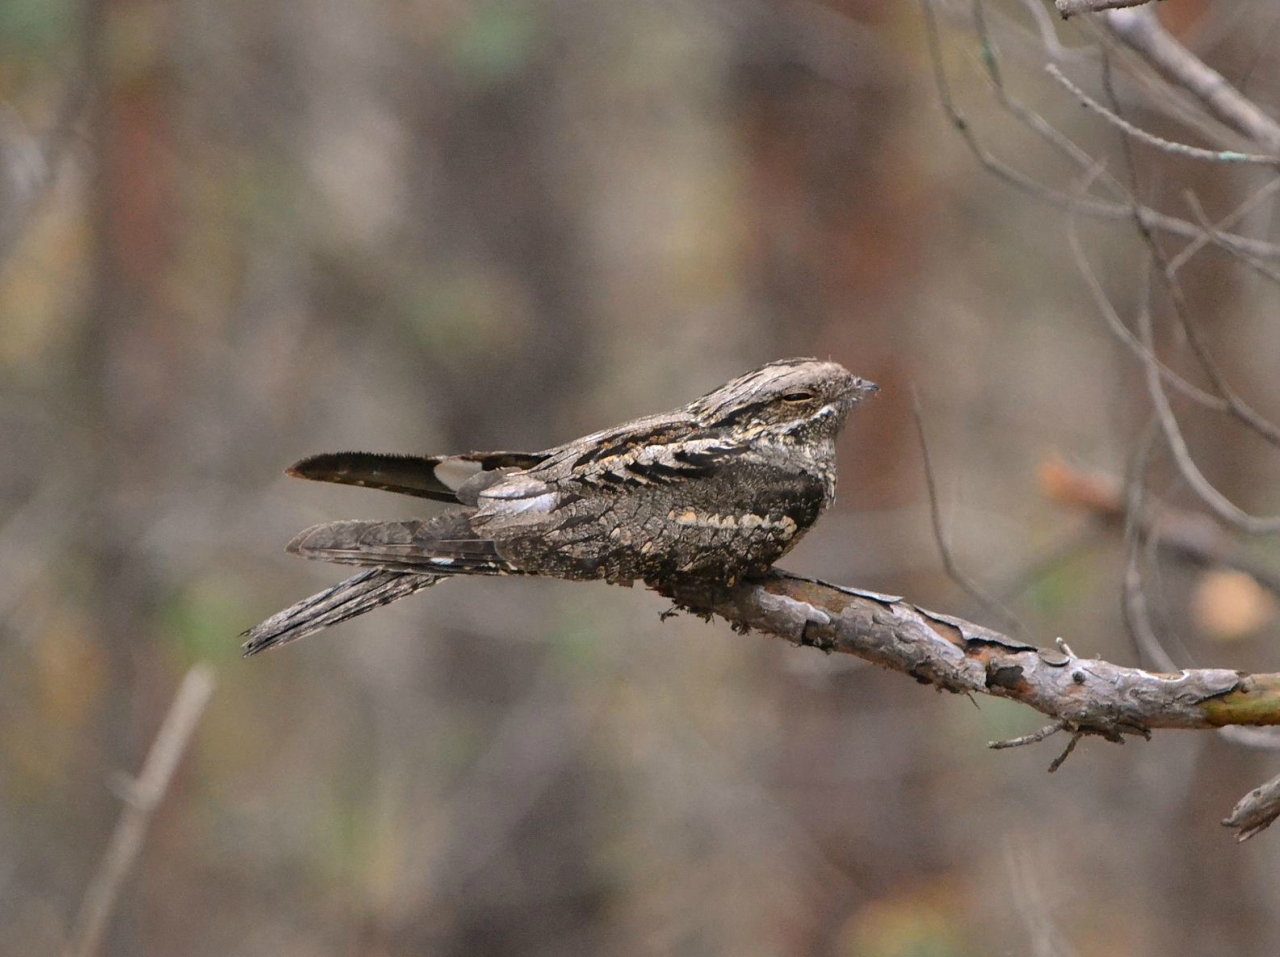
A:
[797, 397]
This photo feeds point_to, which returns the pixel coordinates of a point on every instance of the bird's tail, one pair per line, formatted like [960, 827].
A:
[404, 557]
[445, 545]
[364, 592]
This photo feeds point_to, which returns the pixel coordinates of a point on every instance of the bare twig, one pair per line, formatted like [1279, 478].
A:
[1255, 811]
[939, 534]
[1069, 8]
[1061, 759]
[1169, 146]
[1034, 737]
[1239, 409]
[1142, 32]
[142, 797]
[1236, 406]
[1267, 272]
[1100, 209]
[1227, 510]
[1258, 197]
[1092, 696]
[1123, 333]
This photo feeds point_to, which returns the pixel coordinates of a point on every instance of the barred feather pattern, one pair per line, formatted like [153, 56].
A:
[689, 502]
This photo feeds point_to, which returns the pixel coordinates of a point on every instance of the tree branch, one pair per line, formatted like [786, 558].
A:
[142, 797]
[1142, 32]
[1256, 810]
[1085, 695]
[1069, 8]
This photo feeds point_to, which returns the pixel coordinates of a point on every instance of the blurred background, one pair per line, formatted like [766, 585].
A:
[234, 234]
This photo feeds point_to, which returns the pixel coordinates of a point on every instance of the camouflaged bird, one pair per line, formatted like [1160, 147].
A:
[689, 502]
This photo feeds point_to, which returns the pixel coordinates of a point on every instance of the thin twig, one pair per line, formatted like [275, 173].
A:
[1169, 146]
[1066, 753]
[1236, 406]
[1227, 510]
[1188, 537]
[1033, 738]
[1269, 273]
[1069, 8]
[1100, 209]
[939, 534]
[1256, 198]
[1137, 617]
[142, 797]
[1143, 33]
[1256, 810]
[1121, 331]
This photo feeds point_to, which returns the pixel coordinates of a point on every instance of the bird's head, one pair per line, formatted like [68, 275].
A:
[803, 399]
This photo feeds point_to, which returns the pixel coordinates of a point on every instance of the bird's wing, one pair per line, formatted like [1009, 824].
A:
[443, 478]
[652, 450]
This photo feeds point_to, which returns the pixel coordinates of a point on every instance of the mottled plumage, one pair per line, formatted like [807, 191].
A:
[689, 502]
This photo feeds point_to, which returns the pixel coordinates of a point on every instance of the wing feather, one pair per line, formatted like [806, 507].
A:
[434, 477]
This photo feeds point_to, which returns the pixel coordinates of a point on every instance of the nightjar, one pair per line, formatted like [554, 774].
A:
[689, 502]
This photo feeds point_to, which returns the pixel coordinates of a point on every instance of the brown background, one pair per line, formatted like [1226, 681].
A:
[437, 225]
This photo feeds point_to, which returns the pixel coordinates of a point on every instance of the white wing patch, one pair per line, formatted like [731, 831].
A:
[455, 470]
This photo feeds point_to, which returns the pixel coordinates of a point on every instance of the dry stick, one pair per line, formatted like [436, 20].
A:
[1255, 199]
[1168, 146]
[939, 535]
[1069, 8]
[1087, 695]
[1141, 31]
[1122, 332]
[1227, 510]
[1044, 24]
[1068, 148]
[1137, 615]
[1269, 273]
[1033, 738]
[1091, 207]
[142, 798]
[1037, 123]
[1256, 810]
[1237, 407]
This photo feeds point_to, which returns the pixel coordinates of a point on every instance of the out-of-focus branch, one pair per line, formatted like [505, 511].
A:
[1069, 8]
[1255, 811]
[1160, 143]
[1187, 536]
[989, 605]
[142, 797]
[1227, 510]
[1085, 206]
[43, 161]
[1142, 32]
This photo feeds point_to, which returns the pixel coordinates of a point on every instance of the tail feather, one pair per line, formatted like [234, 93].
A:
[446, 545]
[434, 477]
[355, 596]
